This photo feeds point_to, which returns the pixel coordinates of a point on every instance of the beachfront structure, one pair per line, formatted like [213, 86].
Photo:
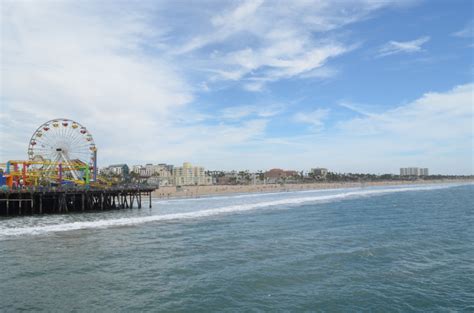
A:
[116, 169]
[424, 172]
[143, 171]
[413, 171]
[319, 172]
[236, 178]
[154, 175]
[188, 174]
[136, 169]
[168, 167]
[159, 181]
[276, 176]
[149, 170]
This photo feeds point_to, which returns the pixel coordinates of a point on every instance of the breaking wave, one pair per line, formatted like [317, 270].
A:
[130, 221]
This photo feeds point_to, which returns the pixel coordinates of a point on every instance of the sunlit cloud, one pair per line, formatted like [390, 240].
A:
[396, 47]
[232, 86]
[466, 32]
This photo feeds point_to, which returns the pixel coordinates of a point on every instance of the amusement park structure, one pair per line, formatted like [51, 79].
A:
[62, 161]
[60, 152]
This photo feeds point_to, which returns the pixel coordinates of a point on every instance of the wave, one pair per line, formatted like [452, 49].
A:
[130, 221]
[276, 193]
[246, 195]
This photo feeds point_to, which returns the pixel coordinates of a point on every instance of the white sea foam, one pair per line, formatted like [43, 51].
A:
[245, 195]
[263, 194]
[129, 221]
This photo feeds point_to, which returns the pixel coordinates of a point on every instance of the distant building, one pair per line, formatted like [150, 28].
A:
[319, 172]
[235, 178]
[136, 169]
[225, 178]
[149, 170]
[116, 169]
[190, 175]
[168, 167]
[155, 175]
[413, 171]
[424, 172]
[277, 175]
[159, 181]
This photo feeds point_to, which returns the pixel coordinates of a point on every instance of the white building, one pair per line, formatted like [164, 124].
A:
[190, 175]
[413, 171]
[116, 169]
[149, 170]
[319, 172]
[136, 169]
[160, 181]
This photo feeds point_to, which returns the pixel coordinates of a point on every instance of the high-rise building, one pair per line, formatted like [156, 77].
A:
[414, 171]
[190, 175]
[424, 171]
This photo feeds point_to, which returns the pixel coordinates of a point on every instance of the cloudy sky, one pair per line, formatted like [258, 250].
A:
[355, 86]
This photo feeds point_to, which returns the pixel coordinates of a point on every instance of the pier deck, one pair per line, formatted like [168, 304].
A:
[54, 201]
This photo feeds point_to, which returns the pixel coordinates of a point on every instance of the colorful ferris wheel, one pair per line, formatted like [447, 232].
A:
[66, 142]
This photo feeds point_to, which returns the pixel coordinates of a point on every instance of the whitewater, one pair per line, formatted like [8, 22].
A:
[383, 249]
[188, 209]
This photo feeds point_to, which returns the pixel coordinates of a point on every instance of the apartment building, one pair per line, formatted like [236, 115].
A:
[413, 171]
[188, 174]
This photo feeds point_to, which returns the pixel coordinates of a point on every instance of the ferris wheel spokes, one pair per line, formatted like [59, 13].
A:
[63, 141]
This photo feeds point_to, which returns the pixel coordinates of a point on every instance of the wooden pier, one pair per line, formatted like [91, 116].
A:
[60, 201]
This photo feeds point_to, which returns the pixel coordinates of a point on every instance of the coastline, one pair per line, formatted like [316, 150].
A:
[198, 191]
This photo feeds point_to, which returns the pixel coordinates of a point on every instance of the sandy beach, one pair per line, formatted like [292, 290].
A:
[197, 191]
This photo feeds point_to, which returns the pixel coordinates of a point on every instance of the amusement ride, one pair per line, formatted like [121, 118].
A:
[60, 152]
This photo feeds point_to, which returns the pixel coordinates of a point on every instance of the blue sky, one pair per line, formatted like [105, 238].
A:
[354, 86]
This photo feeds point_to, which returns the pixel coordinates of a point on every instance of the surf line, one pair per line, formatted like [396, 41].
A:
[37, 230]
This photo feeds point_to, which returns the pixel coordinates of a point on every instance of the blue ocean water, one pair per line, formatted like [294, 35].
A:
[381, 249]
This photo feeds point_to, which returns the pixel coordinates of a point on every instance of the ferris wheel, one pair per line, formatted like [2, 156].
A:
[66, 142]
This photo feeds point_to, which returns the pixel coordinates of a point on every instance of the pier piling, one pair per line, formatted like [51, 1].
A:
[51, 201]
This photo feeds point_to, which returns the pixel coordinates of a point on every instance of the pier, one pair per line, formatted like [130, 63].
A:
[59, 201]
[61, 176]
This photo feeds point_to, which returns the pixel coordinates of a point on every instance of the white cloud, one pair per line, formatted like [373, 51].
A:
[257, 42]
[355, 108]
[84, 62]
[224, 25]
[395, 47]
[314, 118]
[324, 72]
[65, 60]
[255, 85]
[243, 111]
[236, 17]
[434, 131]
[434, 116]
[272, 63]
[467, 31]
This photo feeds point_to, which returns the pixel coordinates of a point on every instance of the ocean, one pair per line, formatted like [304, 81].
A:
[379, 249]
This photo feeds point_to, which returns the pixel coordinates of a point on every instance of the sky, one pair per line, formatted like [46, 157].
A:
[353, 86]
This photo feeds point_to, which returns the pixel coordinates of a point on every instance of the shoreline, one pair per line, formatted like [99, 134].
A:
[198, 191]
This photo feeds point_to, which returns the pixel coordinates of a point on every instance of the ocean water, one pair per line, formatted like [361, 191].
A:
[379, 249]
